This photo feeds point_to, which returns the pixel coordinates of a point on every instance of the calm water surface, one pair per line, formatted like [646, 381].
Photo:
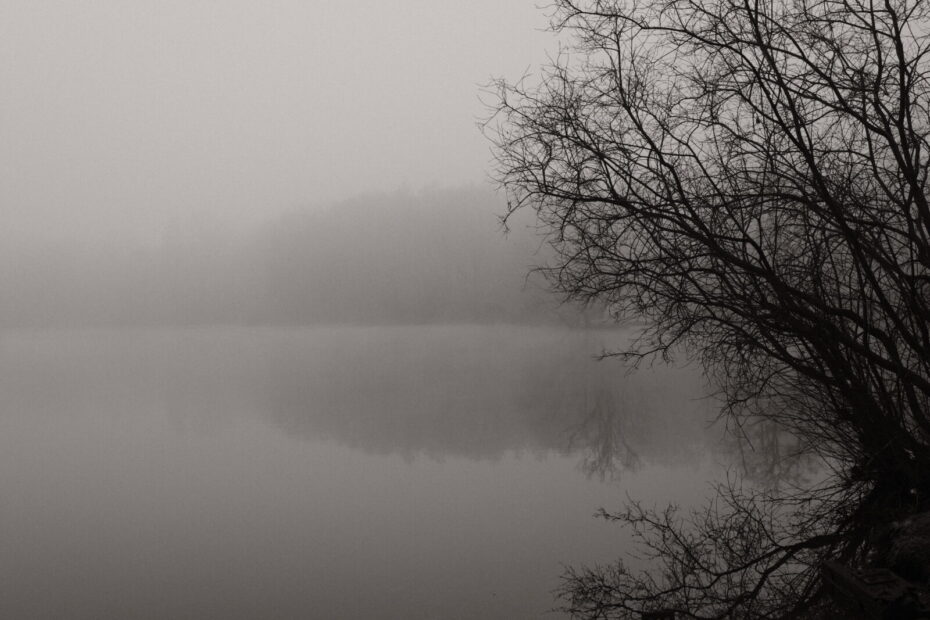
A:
[402, 472]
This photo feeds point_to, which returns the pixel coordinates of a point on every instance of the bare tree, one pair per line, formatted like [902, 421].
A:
[751, 177]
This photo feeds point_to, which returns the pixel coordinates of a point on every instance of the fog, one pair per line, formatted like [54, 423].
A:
[229, 162]
[425, 257]
[266, 349]
[127, 119]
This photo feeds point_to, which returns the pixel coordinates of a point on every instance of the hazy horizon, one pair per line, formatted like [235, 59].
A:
[434, 256]
[266, 350]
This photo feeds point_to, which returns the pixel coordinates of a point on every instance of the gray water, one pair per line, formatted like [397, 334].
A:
[350, 472]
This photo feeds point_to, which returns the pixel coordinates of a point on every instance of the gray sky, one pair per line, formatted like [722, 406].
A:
[124, 117]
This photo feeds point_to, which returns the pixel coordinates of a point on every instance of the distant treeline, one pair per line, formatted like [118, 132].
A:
[431, 256]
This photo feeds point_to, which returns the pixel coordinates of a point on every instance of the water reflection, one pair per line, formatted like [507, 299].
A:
[351, 472]
[480, 392]
[768, 456]
[603, 436]
[470, 391]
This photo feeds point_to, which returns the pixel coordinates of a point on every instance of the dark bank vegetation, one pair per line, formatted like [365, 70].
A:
[751, 178]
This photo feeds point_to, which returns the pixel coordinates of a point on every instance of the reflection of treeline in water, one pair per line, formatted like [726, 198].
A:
[481, 392]
[436, 256]
[441, 391]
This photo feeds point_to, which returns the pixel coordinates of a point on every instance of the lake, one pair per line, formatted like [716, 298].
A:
[329, 472]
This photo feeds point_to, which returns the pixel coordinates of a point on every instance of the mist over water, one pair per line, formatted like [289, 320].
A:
[266, 350]
[409, 471]
[404, 257]
[338, 414]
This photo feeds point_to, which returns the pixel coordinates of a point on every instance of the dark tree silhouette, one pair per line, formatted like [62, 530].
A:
[750, 176]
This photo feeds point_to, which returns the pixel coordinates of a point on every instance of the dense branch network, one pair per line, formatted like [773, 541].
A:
[751, 177]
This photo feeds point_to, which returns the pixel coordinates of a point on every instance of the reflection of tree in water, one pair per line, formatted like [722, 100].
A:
[767, 455]
[622, 421]
[480, 392]
[619, 426]
[602, 436]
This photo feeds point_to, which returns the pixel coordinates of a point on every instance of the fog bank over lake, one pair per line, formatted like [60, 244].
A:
[433, 256]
